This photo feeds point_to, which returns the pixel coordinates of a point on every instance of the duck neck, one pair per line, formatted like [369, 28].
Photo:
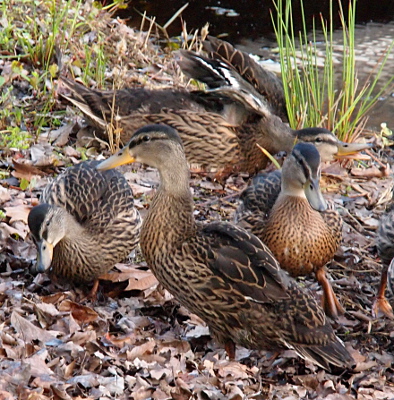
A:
[278, 134]
[291, 191]
[75, 234]
[170, 217]
[289, 188]
[75, 239]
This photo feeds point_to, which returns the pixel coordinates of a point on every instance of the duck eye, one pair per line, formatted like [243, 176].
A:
[146, 138]
[48, 223]
[319, 140]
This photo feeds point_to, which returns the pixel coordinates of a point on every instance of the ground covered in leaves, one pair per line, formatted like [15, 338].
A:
[135, 341]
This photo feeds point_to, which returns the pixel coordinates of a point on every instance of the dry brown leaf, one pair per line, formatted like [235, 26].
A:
[337, 396]
[121, 341]
[7, 231]
[6, 395]
[140, 351]
[81, 313]
[142, 283]
[61, 134]
[5, 195]
[182, 391]
[369, 173]
[47, 308]
[38, 364]
[18, 213]
[81, 338]
[138, 279]
[364, 366]
[60, 392]
[54, 298]
[26, 171]
[28, 331]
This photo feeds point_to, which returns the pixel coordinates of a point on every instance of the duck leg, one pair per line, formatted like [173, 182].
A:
[93, 292]
[229, 346]
[381, 305]
[330, 303]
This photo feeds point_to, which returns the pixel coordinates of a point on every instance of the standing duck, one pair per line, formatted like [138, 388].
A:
[225, 275]
[220, 127]
[264, 188]
[385, 246]
[85, 224]
[296, 225]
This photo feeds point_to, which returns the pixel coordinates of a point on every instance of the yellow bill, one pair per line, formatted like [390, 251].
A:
[348, 149]
[314, 195]
[122, 157]
[44, 255]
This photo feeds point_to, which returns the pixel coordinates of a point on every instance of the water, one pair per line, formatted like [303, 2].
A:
[250, 19]
[371, 43]
[247, 23]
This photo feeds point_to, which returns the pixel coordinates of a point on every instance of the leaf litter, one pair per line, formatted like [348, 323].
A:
[135, 341]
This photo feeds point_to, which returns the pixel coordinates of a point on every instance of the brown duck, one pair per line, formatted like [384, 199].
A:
[220, 127]
[296, 225]
[220, 272]
[263, 189]
[385, 246]
[85, 224]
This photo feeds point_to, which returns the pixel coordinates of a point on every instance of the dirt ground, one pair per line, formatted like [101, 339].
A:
[135, 341]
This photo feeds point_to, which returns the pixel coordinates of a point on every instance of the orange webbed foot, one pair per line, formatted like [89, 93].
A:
[382, 306]
[330, 303]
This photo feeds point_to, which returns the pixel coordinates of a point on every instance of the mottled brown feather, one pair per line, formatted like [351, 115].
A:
[225, 275]
[385, 247]
[216, 128]
[108, 225]
[302, 239]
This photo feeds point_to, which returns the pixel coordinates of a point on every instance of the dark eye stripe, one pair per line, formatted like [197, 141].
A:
[304, 165]
[139, 140]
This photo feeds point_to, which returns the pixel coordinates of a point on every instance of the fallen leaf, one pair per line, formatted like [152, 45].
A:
[81, 313]
[18, 213]
[26, 171]
[7, 231]
[38, 364]
[62, 134]
[368, 173]
[138, 279]
[28, 331]
[4, 195]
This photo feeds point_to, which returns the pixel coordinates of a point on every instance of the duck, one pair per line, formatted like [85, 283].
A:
[263, 189]
[219, 271]
[385, 248]
[85, 223]
[220, 127]
[297, 225]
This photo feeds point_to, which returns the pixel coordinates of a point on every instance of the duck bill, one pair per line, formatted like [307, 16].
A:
[122, 157]
[314, 196]
[44, 255]
[346, 150]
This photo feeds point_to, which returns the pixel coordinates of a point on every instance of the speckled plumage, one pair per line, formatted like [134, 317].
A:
[264, 188]
[302, 239]
[385, 246]
[93, 214]
[219, 127]
[225, 275]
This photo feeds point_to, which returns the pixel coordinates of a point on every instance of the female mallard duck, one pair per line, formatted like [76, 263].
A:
[385, 246]
[301, 233]
[264, 188]
[85, 224]
[220, 272]
[219, 128]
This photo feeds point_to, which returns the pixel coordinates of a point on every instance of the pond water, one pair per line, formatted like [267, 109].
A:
[247, 23]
